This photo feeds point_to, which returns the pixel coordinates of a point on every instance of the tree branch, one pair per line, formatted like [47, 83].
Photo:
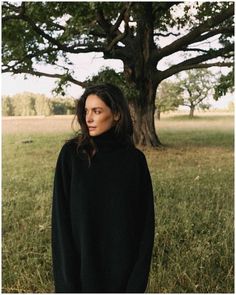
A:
[163, 7]
[20, 10]
[28, 57]
[214, 33]
[69, 49]
[120, 36]
[166, 35]
[196, 33]
[42, 74]
[115, 41]
[193, 62]
[112, 32]
[121, 17]
[215, 64]
[186, 104]
[194, 49]
[104, 24]
[10, 17]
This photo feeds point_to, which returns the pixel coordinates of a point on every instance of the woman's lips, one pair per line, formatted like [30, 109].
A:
[91, 128]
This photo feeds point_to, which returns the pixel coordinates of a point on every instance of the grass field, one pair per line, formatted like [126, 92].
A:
[193, 187]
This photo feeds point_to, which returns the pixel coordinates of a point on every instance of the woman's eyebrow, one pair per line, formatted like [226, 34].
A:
[95, 108]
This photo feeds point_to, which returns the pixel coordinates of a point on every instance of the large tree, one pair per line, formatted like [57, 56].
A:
[37, 33]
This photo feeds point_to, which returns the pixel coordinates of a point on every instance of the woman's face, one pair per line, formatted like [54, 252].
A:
[99, 117]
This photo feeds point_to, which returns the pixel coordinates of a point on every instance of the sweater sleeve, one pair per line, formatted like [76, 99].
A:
[65, 262]
[139, 277]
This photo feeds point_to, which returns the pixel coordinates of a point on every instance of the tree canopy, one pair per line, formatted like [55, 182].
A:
[168, 97]
[197, 88]
[142, 34]
[109, 75]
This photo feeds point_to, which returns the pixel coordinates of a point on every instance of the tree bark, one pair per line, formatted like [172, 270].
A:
[191, 113]
[158, 115]
[144, 120]
[140, 70]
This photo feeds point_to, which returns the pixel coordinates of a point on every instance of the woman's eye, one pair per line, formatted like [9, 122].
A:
[97, 112]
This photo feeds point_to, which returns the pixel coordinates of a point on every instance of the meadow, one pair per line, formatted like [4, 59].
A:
[193, 182]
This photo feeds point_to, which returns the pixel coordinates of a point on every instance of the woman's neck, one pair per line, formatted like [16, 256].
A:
[107, 141]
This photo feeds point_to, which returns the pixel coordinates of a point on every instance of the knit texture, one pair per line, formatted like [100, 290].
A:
[102, 219]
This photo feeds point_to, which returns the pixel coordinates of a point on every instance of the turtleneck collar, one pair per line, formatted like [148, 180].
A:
[108, 141]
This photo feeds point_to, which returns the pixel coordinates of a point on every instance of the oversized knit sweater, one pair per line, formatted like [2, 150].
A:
[102, 219]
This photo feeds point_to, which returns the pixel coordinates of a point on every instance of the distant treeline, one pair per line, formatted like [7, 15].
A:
[32, 104]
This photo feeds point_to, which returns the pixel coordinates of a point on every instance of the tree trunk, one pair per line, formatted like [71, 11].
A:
[140, 66]
[158, 115]
[144, 121]
[144, 129]
[141, 70]
[191, 113]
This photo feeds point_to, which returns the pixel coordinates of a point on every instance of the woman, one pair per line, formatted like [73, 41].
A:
[103, 213]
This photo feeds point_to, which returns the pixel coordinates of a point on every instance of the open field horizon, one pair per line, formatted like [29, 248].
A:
[62, 123]
[193, 183]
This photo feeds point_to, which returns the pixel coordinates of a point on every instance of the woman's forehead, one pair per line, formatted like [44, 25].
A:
[94, 101]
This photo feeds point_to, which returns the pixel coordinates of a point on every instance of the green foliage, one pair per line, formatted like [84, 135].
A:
[62, 106]
[205, 8]
[108, 75]
[36, 32]
[31, 104]
[224, 84]
[24, 104]
[168, 97]
[68, 24]
[196, 88]
[204, 106]
[193, 189]
[50, 33]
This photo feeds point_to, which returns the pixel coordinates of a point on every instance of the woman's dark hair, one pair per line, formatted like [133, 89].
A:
[113, 97]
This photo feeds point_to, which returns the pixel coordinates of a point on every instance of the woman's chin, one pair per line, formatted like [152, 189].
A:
[94, 132]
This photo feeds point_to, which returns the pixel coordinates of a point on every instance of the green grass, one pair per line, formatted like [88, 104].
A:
[193, 187]
[202, 117]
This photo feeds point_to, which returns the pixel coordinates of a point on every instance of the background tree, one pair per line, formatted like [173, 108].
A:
[230, 106]
[42, 106]
[31, 104]
[62, 105]
[168, 97]
[204, 106]
[7, 106]
[196, 87]
[35, 33]
[24, 104]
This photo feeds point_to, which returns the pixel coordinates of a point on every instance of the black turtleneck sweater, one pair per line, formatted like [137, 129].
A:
[102, 219]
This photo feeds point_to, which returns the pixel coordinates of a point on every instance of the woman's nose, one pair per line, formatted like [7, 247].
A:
[89, 117]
